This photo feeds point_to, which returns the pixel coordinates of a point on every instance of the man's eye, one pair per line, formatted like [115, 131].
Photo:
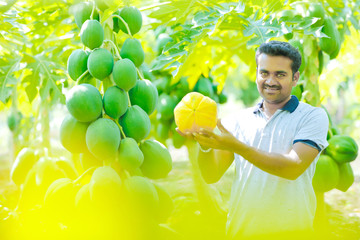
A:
[280, 75]
[264, 74]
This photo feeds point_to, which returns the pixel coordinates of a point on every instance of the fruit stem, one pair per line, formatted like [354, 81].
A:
[140, 74]
[121, 129]
[129, 105]
[84, 174]
[154, 6]
[114, 47]
[126, 25]
[93, 10]
[81, 76]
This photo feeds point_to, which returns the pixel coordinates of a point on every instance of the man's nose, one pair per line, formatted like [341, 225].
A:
[271, 80]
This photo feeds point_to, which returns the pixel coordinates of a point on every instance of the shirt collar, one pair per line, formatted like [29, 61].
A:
[290, 106]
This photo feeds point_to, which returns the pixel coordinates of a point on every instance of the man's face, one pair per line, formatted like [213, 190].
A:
[274, 78]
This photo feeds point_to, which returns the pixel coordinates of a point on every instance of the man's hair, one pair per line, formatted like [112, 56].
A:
[277, 48]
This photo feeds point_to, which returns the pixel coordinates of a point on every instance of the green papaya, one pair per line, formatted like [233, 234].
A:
[166, 204]
[336, 52]
[82, 197]
[130, 156]
[59, 200]
[326, 175]
[182, 87]
[115, 102]
[135, 123]
[157, 159]
[24, 161]
[46, 172]
[87, 160]
[297, 44]
[142, 197]
[77, 63]
[147, 72]
[287, 14]
[163, 130]
[177, 140]
[204, 86]
[145, 95]
[161, 42]
[68, 167]
[342, 148]
[82, 12]
[84, 102]
[297, 91]
[316, 10]
[321, 61]
[72, 134]
[223, 97]
[288, 35]
[100, 63]
[133, 50]
[166, 106]
[105, 186]
[124, 74]
[92, 34]
[103, 138]
[346, 178]
[103, 5]
[31, 194]
[330, 44]
[132, 16]
[13, 120]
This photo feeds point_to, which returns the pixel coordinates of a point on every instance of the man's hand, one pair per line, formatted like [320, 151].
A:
[208, 139]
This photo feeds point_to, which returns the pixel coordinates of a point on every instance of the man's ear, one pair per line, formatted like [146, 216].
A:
[296, 77]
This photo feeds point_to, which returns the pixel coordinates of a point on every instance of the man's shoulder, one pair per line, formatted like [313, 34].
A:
[309, 111]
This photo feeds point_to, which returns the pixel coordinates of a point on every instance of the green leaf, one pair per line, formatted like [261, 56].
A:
[7, 79]
[262, 30]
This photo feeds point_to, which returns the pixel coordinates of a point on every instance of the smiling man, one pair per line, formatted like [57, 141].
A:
[275, 146]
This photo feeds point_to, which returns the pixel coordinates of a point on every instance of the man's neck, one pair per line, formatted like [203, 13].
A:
[270, 108]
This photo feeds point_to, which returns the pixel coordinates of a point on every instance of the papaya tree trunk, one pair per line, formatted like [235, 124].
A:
[311, 71]
[205, 193]
[45, 123]
[321, 220]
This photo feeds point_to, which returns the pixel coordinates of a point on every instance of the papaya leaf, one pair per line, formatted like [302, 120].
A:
[261, 30]
[30, 83]
[50, 85]
[7, 79]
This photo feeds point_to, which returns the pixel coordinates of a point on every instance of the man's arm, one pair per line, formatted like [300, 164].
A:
[213, 164]
[289, 166]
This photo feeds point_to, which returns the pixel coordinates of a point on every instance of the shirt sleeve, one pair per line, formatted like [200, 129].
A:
[314, 130]
[231, 124]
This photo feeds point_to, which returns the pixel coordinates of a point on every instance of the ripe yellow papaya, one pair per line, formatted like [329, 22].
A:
[195, 111]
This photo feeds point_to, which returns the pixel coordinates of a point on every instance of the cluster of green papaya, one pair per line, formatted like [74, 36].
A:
[333, 169]
[105, 124]
[329, 44]
[108, 126]
[99, 204]
[171, 95]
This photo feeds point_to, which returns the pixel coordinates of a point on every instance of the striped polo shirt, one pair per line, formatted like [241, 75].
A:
[262, 203]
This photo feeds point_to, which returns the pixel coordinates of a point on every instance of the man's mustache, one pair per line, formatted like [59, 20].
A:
[272, 86]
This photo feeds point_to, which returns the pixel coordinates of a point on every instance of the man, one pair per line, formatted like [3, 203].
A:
[275, 146]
